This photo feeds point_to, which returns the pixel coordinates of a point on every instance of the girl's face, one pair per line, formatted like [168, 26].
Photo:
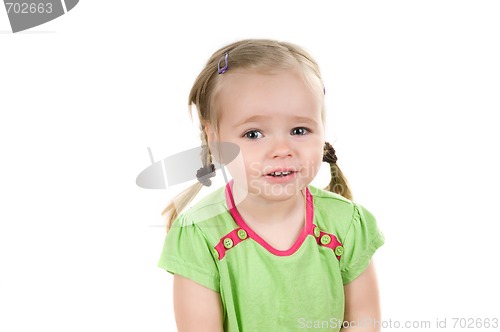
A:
[276, 121]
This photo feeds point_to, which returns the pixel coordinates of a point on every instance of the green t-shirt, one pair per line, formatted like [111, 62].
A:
[265, 289]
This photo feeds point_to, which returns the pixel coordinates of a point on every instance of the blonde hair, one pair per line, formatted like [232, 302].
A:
[260, 55]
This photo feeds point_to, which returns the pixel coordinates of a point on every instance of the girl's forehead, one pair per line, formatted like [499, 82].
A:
[282, 92]
[241, 82]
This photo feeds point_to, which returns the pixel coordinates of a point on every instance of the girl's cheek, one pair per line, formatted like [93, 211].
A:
[238, 168]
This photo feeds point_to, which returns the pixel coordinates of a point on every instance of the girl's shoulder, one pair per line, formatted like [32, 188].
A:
[210, 215]
[333, 211]
[330, 200]
[211, 205]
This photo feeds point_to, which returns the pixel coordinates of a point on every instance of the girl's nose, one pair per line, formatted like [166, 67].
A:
[281, 148]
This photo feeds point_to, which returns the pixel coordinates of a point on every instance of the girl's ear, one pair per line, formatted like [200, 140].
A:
[219, 151]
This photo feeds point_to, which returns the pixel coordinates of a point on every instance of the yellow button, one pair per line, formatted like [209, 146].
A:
[216, 253]
[316, 231]
[242, 234]
[325, 239]
[228, 243]
[339, 250]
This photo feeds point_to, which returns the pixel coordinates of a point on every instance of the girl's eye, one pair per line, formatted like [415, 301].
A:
[299, 131]
[253, 134]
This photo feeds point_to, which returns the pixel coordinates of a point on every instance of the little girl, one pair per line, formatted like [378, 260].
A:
[269, 252]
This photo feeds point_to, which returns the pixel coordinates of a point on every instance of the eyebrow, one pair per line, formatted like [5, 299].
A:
[262, 118]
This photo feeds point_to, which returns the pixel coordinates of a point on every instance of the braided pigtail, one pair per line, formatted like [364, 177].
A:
[338, 183]
[171, 212]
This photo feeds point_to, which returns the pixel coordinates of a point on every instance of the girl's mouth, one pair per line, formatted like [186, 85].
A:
[280, 174]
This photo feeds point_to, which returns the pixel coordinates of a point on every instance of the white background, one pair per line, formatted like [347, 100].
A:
[412, 96]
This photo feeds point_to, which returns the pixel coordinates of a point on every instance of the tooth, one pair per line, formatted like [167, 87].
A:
[277, 173]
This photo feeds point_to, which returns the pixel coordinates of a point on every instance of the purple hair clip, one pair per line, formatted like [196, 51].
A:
[223, 69]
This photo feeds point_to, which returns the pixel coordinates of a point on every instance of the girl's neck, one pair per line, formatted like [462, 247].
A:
[256, 209]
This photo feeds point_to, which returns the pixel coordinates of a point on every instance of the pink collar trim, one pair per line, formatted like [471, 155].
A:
[241, 223]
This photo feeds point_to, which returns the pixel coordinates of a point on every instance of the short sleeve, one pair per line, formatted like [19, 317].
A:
[186, 252]
[363, 238]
